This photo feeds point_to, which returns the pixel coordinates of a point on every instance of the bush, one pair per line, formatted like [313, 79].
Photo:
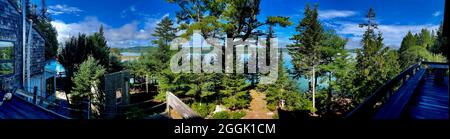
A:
[203, 108]
[238, 101]
[229, 115]
[161, 97]
[237, 114]
[221, 115]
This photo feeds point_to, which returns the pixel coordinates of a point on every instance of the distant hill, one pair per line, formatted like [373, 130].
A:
[136, 49]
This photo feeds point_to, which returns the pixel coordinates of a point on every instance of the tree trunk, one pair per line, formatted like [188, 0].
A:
[146, 84]
[314, 87]
[330, 93]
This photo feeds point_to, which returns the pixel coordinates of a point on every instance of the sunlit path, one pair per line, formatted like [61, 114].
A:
[258, 107]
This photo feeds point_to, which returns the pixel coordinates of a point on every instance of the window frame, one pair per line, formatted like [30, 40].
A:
[10, 60]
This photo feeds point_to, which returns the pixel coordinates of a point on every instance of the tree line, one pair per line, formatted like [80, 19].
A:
[318, 54]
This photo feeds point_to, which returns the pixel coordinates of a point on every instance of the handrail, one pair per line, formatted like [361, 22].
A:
[367, 107]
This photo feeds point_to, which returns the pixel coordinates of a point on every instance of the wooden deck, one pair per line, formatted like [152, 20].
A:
[431, 100]
[422, 94]
[17, 108]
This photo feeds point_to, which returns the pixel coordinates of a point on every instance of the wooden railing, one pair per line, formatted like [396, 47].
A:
[382, 94]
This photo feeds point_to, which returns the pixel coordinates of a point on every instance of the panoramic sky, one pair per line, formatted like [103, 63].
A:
[130, 23]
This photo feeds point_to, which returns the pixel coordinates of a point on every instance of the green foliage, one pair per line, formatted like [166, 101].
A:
[441, 43]
[229, 115]
[234, 91]
[237, 114]
[78, 49]
[204, 109]
[415, 54]
[420, 47]
[305, 51]
[164, 31]
[50, 35]
[86, 77]
[285, 89]
[408, 41]
[221, 115]
[86, 81]
[425, 39]
[375, 64]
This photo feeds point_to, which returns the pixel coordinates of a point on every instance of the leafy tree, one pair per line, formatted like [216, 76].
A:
[78, 49]
[86, 81]
[50, 34]
[416, 53]
[441, 44]
[408, 41]
[305, 51]
[425, 39]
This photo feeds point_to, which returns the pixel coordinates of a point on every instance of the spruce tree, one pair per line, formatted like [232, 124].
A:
[375, 64]
[305, 51]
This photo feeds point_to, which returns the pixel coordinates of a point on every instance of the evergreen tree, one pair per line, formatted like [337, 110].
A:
[305, 51]
[425, 39]
[285, 90]
[78, 49]
[234, 91]
[441, 44]
[336, 67]
[408, 41]
[86, 85]
[375, 64]
[50, 34]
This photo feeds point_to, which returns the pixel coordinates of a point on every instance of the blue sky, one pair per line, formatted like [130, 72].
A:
[131, 22]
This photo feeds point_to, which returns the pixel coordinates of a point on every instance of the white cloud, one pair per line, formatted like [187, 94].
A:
[330, 14]
[127, 35]
[88, 26]
[437, 13]
[392, 34]
[63, 9]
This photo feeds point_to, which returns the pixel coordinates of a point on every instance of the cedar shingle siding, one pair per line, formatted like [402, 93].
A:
[11, 30]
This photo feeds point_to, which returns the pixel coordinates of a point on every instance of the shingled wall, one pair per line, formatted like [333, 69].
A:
[11, 30]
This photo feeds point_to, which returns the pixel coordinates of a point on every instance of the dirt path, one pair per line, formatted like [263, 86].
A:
[258, 107]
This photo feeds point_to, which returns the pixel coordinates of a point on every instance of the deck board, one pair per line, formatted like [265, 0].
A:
[20, 109]
[431, 100]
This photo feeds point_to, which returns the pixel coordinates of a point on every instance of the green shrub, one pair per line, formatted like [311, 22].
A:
[221, 115]
[203, 108]
[237, 114]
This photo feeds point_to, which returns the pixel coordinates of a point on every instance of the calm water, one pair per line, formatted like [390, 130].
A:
[130, 54]
[302, 82]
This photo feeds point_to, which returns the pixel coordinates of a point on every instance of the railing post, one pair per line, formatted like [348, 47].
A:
[35, 95]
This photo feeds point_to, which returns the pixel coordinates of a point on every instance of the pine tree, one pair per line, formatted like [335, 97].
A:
[165, 31]
[285, 90]
[375, 64]
[306, 50]
[408, 41]
[441, 44]
[234, 91]
[335, 66]
[86, 84]
[425, 39]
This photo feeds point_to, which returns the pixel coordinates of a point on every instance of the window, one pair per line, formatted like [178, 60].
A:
[6, 58]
